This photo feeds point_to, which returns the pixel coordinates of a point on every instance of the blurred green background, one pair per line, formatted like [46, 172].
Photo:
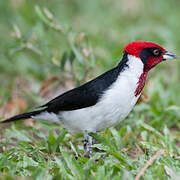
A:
[47, 47]
[109, 26]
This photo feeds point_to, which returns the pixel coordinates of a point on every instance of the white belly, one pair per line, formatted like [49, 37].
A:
[113, 107]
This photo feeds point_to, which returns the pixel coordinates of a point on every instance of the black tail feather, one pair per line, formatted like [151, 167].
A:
[22, 116]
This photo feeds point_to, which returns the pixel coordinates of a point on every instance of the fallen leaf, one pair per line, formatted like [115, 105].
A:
[143, 98]
[44, 88]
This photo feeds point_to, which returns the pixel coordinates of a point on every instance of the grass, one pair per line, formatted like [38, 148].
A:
[48, 47]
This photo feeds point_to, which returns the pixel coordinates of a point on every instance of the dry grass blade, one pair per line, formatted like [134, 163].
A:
[141, 172]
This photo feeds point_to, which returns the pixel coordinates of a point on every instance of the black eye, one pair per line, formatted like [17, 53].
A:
[156, 52]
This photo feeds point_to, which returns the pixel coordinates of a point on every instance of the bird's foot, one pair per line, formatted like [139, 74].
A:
[88, 141]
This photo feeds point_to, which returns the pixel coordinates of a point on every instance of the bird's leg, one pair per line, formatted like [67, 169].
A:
[88, 141]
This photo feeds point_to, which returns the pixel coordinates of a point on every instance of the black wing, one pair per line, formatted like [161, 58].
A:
[88, 94]
[83, 96]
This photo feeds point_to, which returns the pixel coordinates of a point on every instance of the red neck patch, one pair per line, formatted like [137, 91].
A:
[141, 83]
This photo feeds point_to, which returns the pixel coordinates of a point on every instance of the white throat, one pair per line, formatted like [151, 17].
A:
[135, 66]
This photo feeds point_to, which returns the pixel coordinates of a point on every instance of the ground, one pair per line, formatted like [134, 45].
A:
[48, 47]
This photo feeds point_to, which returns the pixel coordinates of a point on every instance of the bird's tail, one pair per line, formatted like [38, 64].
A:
[22, 116]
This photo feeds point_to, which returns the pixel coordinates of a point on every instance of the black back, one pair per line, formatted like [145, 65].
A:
[88, 94]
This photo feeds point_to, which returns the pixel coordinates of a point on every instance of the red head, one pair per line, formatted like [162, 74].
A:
[150, 53]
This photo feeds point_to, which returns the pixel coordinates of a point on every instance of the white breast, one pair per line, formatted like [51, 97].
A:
[113, 106]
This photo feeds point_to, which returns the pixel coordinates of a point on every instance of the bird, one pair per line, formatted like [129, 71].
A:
[106, 100]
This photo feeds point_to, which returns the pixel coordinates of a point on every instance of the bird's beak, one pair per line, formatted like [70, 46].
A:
[169, 55]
